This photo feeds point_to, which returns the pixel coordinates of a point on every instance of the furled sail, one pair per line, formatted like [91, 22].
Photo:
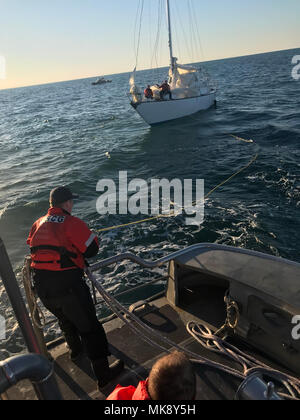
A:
[186, 81]
[135, 90]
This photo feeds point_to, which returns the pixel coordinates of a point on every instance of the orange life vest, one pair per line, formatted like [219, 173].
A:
[130, 393]
[58, 241]
[148, 93]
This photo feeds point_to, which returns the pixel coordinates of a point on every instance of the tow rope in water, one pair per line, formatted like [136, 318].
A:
[173, 213]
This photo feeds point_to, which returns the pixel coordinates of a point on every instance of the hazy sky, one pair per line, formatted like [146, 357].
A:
[45, 41]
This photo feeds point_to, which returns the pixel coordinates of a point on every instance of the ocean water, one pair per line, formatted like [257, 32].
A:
[61, 133]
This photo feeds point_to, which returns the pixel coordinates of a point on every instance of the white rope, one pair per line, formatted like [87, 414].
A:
[250, 365]
[38, 316]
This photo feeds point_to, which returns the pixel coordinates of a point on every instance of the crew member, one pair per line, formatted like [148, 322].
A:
[165, 90]
[148, 92]
[59, 244]
[171, 378]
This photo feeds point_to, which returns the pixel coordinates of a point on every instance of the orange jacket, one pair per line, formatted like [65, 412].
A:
[130, 393]
[58, 238]
[148, 93]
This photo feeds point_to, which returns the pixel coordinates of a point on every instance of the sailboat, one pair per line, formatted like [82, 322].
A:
[191, 91]
[101, 81]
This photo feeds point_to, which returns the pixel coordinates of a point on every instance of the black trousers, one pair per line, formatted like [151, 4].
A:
[163, 94]
[66, 295]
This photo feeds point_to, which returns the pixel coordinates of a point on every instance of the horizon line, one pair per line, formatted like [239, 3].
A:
[145, 69]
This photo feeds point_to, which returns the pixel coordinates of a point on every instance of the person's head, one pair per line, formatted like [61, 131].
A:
[172, 378]
[62, 197]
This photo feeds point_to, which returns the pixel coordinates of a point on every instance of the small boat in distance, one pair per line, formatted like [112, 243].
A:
[101, 81]
[189, 90]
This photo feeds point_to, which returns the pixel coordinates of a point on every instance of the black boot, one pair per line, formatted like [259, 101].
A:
[105, 373]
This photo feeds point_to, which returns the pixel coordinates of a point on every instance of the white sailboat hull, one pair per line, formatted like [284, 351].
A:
[156, 112]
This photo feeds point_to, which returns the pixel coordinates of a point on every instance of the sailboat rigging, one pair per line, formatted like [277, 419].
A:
[188, 90]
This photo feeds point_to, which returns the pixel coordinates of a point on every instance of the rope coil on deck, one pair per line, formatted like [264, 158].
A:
[204, 336]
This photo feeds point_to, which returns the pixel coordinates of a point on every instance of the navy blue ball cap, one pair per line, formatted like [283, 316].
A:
[60, 195]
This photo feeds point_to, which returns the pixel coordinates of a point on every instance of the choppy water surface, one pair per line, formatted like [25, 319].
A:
[61, 133]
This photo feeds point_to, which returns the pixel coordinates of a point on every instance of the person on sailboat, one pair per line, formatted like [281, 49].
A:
[165, 90]
[148, 92]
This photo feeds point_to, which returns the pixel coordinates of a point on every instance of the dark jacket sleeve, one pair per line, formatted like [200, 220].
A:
[92, 250]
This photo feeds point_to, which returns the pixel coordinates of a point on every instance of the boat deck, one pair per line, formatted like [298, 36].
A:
[198, 280]
[77, 382]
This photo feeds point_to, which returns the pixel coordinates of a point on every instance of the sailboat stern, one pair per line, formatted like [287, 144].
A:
[157, 112]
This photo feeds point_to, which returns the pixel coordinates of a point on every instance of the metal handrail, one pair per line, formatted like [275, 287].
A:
[34, 367]
[203, 247]
[143, 263]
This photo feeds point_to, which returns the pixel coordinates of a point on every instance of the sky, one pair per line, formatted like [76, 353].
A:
[43, 41]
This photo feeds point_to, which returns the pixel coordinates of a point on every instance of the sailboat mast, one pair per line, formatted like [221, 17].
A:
[170, 35]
